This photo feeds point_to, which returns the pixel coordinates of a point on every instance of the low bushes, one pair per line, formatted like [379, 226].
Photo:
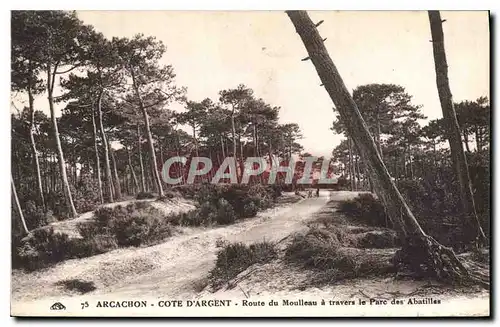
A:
[234, 258]
[366, 209]
[136, 224]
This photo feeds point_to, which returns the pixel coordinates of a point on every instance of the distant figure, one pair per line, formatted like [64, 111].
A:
[310, 193]
[317, 192]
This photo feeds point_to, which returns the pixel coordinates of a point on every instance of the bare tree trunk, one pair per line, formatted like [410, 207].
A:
[33, 145]
[156, 173]
[418, 248]
[472, 224]
[109, 178]
[134, 177]
[358, 173]
[222, 147]
[97, 160]
[117, 186]
[62, 165]
[141, 162]
[233, 130]
[18, 205]
[466, 140]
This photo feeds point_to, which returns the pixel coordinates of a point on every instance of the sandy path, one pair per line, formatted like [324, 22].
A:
[168, 269]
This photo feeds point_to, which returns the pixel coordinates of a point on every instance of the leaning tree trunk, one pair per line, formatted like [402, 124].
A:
[97, 160]
[420, 251]
[62, 164]
[18, 205]
[156, 173]
[36, 160]
[107, 165]
[472, 225]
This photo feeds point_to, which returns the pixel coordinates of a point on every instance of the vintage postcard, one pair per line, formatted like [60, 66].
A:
[250, 163]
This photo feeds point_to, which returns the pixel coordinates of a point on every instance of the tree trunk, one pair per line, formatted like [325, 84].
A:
[105, 145]
[62, 164]
[478, 140]
[222, 147]
[156, 173]
[36, 160]
[418, 248]
[472, 225]
[97, 160]
[351, 165]
[141, 162]
[162, 159]
[117, 186]
[18, 206]
[134, 177]
[411, 163]
[377, 137]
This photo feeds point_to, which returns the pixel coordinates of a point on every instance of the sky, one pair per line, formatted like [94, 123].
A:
[212, 51]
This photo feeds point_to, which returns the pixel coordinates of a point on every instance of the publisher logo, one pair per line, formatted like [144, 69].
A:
[57, 306]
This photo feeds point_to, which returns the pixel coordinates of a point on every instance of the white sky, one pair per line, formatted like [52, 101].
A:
[211, 51]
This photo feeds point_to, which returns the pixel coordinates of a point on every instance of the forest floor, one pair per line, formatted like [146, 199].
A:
[179, 268]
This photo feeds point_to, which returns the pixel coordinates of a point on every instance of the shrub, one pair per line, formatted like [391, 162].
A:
[56, 202]
[132, 225]
[43, 248]
[436, 204]
[234, 258]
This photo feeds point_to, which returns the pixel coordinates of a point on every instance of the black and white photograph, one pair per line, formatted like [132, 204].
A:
[250, 163]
